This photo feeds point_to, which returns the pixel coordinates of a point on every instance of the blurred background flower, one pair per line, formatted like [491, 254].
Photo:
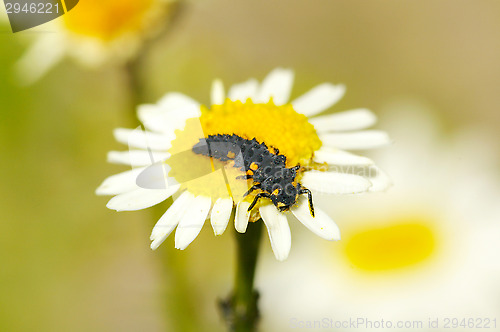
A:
[95, 33]
[425, 249]
[68, 263]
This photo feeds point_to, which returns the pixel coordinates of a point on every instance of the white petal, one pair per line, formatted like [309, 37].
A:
[339, 157]
[321, 225]
[241, 217]
[156, 177]
[318, 99]
[140, 199]
[348, 120]
[170, 113]
[335, 183]
[243, 91]
[359, 140]
[138, 138]
[379, 179]
[175, 101]
[156, 119]
[120, 183]
[278, 230]
[217, 94]
[278, 85]
[170, 219]
[221, 212]
[136, 157]
[192, 222]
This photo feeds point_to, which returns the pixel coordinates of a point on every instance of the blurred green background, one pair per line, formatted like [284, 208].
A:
[70, 264]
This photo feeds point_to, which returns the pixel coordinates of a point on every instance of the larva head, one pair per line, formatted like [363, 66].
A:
[285, 194]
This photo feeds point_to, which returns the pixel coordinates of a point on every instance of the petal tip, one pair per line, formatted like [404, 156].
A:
[281, 257]
[241, 228]
[100, 191]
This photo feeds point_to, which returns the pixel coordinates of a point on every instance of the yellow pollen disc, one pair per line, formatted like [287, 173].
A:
[278, 126]
[397, 246]
[200, 174]
[107, 19]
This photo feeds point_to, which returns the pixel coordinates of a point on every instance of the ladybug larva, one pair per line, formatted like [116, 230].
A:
[266, 167]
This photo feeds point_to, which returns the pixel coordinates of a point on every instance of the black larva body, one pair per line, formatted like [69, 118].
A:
[267, 169]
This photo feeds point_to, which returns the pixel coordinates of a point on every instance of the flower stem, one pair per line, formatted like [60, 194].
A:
[133, 67]
[135, 85]
[240, 310]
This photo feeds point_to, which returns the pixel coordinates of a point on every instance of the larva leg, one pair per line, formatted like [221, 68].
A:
[254, 187]
[309, 198]
[257, 197]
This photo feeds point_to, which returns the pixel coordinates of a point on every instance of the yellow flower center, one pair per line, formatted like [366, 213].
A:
[197, 173]
[107, 19]
[277, 126]
[399, 245]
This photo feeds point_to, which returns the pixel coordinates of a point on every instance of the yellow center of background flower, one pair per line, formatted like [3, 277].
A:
[399, 245]
[278, 126]
[107, 19]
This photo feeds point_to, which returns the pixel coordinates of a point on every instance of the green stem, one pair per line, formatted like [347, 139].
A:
[135, 86]
[133, 68]
[240, 309]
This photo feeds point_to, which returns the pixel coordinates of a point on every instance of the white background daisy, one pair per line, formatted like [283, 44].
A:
[93, 33]
[338, 131]
[449, 270]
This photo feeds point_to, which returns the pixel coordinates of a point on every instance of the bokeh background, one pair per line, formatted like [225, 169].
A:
[429, 69]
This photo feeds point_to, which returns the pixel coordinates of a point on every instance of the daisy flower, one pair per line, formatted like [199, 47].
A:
[427, 249]
[94, 32]
[275, 157]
